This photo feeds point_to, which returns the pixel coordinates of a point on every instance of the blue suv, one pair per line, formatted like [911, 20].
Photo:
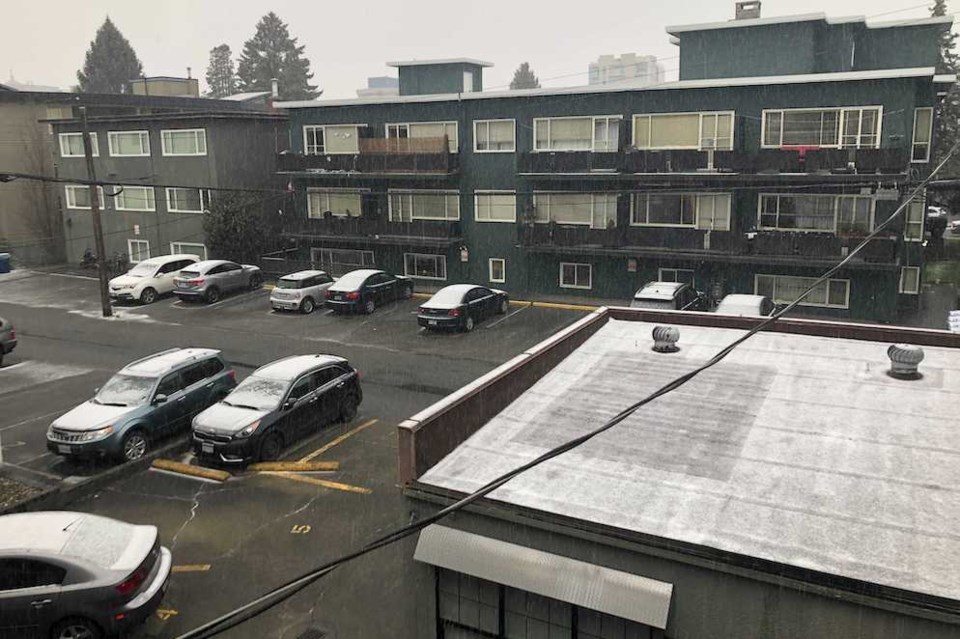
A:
[151, 398]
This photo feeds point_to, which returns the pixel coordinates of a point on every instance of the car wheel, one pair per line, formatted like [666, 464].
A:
[148, 296]
[76, 628]
[271, 447]
[256, 281]
[135, 445]
[504, 306]
[213, 295]
[369, 307]
[348, 408]
[468, 324]
[307, 306]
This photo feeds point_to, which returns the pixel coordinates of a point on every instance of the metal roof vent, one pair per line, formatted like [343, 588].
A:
[904, 360]
[665, 339]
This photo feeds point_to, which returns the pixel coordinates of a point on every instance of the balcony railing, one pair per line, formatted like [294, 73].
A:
[375, 156]
[372, 228]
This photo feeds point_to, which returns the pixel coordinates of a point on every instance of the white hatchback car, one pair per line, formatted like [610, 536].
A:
[300, 291]
[150, 278]
[746, 305]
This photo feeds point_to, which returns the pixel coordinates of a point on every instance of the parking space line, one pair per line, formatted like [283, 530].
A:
[191, 568]
[334, 485]
[339, 440]
[508, 316]
[32, 419]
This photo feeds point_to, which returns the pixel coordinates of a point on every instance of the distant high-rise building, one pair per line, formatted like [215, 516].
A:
[380, 87]
[638, 69]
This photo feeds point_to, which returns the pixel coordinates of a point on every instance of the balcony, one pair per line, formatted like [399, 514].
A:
[372, 230]
[378, 157]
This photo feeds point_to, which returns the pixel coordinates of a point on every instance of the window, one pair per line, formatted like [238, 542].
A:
[597, 210]
[706, 211]
[910, 280]
[495, 207]
[185, 200]
[786, 288]
[338, 202]
[303, 387]
[425, 267]
[188, 248]
[597, 133]
[71, 145]
[530, 615]
[468, 81]
[494, 136]
[78, 196]
[183, 142]
[913, 220]
[426, 130]
[340, 261]
[138, 250]
[922, 134]
[468, 601]
[708, 130]
[212, 366]
[713, 212]
[818, 213]
[135, 198]
[194, 373]
[18, 574]
[172, 383]
[129, 143]
[576, 275]
[498, 270]
[676, 275]
[406, 206]
[331, 139]
[846, 127]
[313, 140]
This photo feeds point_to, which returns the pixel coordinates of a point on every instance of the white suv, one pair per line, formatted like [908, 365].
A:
[300, 291]
[150, 278]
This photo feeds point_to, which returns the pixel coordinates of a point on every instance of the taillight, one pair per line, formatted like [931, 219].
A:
[454, 312]
[232, 375]
[328, 295]
[197, 282]
[353, 296]
[133, 582]
[359, 375]
[420, 310]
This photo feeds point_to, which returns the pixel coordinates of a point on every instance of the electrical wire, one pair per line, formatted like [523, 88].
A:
[287, 590]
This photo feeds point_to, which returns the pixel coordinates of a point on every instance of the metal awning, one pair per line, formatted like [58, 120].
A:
[616, 593]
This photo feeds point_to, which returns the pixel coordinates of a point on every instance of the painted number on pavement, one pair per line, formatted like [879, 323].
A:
[300, 529]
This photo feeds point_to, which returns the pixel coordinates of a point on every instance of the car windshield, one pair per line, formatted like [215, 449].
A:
[257, 393]
[289, 283]
[125, 390]
[143, 269]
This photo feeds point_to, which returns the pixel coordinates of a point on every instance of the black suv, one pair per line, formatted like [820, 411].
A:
[279, 404]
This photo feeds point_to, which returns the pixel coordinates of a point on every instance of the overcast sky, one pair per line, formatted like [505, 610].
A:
[45, 42]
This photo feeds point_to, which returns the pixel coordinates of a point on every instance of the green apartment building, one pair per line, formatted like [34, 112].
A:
[783, 143]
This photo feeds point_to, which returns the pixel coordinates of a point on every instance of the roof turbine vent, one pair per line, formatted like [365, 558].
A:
[665, 339]
[904, 361]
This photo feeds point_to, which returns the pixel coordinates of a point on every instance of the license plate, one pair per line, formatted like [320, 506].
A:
[338, 297]
[432, 322]
[64, 449]
[206, 448]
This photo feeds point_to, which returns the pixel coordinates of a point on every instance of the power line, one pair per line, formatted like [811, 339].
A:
[285, 591]
[7, 176]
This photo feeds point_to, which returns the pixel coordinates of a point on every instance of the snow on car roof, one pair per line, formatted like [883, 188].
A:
[291, 367]
[452, 294]
[162, 362]
[354, 278]
[658, 291]
[302, 275]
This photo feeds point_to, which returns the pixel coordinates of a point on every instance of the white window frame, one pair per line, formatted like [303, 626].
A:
[438, 259]
[70, 197]
[808, 280]
[318, 215]
[837, 198]
[917, 208]
[545, 121]
[468, 81]
[503, 270]
[476, 135]
[189, 248]
[676, 272]
[841, 114]
[199, 135]
[94, 145]
[118, 198]
[204, 199]
[700, 146]
[130, 243]
[316, 256]
[476, 207]
[307, 147]
[323, 128]
[929, 143]
[454, 143]
[699, 202]
[903, 272]
[397, 216]
[589, 285]
[593, 223]
[144, 144]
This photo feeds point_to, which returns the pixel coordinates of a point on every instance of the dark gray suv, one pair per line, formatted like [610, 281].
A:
[153, 397]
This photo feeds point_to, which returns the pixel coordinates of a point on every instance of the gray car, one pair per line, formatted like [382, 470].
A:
[69, 575]
[8, 338]
[153, 397]
[211, 279]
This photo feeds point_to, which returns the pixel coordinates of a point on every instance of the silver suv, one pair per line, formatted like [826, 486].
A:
[300, 291]
[210, 279]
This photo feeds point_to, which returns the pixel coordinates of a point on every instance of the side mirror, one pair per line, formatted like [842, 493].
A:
[160, 399]
[96, 390]
[290, 403]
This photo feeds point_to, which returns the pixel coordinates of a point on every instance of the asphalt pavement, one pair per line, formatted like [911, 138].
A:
[234, 540]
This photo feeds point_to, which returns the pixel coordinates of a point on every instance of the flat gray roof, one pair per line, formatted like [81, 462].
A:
[796, 449]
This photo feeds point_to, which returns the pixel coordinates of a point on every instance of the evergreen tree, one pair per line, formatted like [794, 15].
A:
[235, 227]
[524, 78]
[272, 53]
[110, 63]
[221, 80]
[947, 131]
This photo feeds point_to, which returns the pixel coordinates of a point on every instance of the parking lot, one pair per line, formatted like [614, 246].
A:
[234, 540]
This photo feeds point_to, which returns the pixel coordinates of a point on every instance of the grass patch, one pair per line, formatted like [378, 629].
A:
[946, 272]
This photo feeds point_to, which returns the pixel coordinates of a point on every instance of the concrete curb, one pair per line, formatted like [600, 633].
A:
[63, 494]
[559, 305]
[191, 471]
[295, 466]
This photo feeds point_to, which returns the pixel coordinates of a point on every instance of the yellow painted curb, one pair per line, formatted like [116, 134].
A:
[187, 469]
[295, 466]
[191, 568]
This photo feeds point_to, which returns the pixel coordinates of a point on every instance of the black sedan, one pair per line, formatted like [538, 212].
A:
[365, 289]
[279, 404]
[461, 306]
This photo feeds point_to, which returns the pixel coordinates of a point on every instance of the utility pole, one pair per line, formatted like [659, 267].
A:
[95, 216]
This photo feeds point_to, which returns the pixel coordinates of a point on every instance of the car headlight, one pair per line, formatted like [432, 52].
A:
[249, 430]
[94, 435]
